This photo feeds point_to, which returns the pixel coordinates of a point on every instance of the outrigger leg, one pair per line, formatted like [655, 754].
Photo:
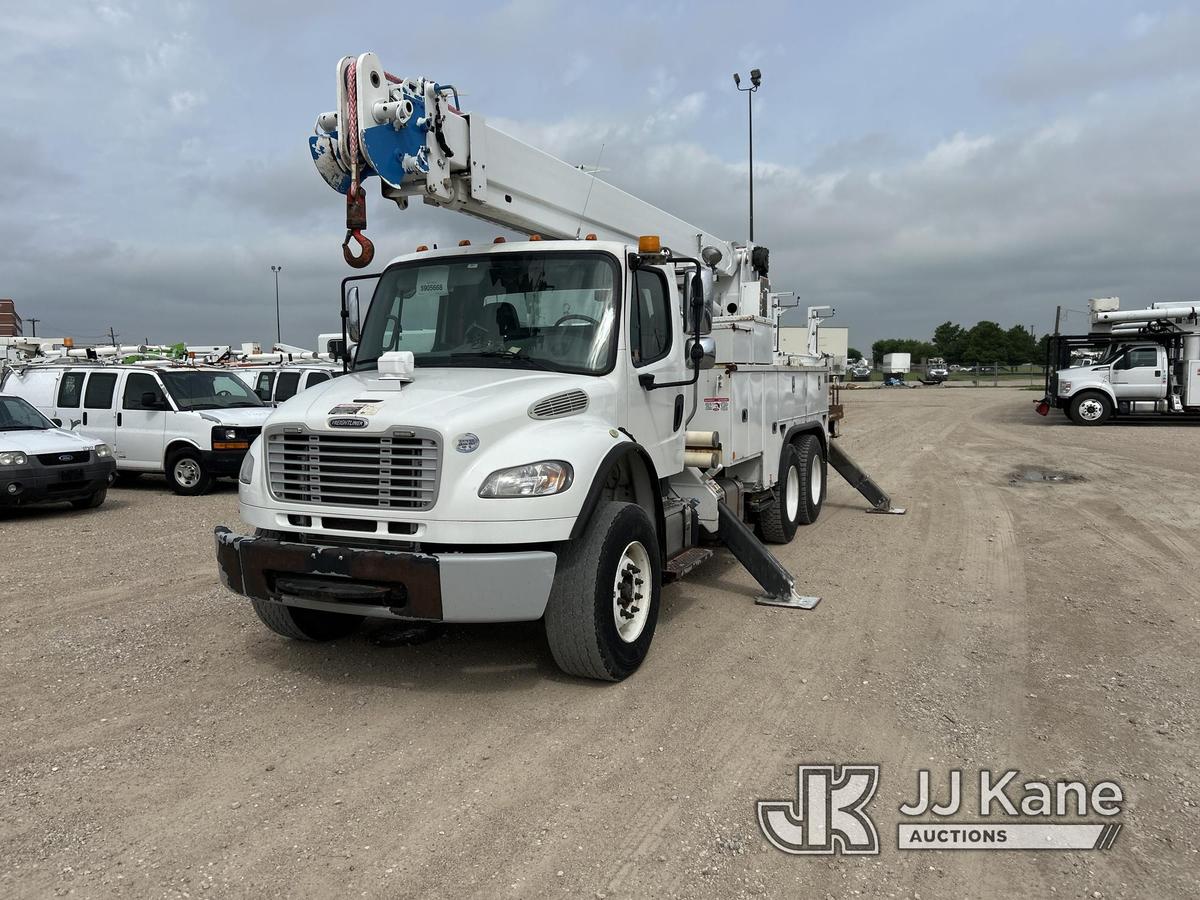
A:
[861, 482]
[759, 562]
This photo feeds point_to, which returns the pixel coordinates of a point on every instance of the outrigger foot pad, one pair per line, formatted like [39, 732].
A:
[889, 510]
[794, 601]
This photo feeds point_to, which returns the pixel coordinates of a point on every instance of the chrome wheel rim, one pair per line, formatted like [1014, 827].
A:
[1091, 410]
[632, 592]
[187, 473]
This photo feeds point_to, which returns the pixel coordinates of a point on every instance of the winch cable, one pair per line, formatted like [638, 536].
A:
[356, 200]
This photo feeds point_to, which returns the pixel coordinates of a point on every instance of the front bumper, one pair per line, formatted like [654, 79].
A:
[222, 462]
[509, 586]
[36, 483]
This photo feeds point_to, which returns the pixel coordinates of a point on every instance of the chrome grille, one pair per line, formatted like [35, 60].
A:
[397, 471]
[558, 405]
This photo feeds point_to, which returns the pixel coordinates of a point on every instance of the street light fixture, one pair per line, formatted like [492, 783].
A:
[755, 81]
[278, 331]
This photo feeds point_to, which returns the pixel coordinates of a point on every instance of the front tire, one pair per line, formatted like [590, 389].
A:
[301, 624]
[92, 501]
[187, 474]
[603, 607]
[1091, 408]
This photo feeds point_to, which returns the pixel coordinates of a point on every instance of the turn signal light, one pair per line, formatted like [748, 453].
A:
[231, 445]
[421, 248]
[464, 243]
[649, 243]
[589, 236]
[535, 237]
[499, 240]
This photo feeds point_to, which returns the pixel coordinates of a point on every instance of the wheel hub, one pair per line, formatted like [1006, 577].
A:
[631, 593]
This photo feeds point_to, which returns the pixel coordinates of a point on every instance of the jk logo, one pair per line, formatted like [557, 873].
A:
[827, 815]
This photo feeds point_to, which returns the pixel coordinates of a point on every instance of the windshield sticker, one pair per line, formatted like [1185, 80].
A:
[434, 280]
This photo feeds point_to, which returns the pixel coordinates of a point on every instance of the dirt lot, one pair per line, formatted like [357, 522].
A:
[159, 742]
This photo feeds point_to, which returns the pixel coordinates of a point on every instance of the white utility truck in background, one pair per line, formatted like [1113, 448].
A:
[1147, 363]
[543, 429]
[897, 363]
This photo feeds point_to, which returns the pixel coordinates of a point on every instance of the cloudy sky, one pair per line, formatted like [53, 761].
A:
[916, 162]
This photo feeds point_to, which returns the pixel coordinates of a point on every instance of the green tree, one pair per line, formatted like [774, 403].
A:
[950, 340]
[854, 353]
[986, 343]
[1022, 348]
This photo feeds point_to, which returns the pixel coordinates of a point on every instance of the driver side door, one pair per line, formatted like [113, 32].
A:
[653, 348]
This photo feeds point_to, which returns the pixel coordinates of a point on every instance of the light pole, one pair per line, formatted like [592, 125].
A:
[755, 81]
[278, 331]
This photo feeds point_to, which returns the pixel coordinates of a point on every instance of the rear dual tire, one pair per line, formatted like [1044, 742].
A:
[799, 492]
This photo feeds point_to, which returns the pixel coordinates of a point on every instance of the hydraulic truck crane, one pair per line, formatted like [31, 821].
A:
[544, 429]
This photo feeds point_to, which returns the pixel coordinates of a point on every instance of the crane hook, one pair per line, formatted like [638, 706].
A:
[356, 221]
[368, 249]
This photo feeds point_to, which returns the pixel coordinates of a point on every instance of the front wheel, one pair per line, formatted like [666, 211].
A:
[92, 501]
[1091, 408]
[603, 607]
[187, 475]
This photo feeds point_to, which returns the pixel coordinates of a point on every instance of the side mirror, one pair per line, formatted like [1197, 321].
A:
[699, 310]
[701, 354]
[353, 325]
[151, 400]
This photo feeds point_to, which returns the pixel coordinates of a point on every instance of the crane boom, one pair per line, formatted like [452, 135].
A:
[410, 132]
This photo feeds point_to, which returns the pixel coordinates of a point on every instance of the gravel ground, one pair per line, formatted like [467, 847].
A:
[158, 741]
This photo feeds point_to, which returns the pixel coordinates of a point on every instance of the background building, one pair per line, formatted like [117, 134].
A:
[10, 322]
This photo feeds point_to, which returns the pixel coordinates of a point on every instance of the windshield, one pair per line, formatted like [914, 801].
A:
[208, 390]
[17, 415]
[551, 311]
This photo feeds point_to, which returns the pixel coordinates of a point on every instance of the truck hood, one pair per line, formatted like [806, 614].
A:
[241, 417]
[447, 400]
[52, 440]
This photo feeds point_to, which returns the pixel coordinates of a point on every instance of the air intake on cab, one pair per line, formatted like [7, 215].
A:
[568, 403]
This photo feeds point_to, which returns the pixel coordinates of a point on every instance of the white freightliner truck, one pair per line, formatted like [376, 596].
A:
[544, 429]
[1146, 363]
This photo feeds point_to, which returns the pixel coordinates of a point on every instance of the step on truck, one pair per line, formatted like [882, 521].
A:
[1133, 363]
[546, 429]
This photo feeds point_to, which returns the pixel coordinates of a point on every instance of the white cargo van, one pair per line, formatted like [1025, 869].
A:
[275, 384]
[191, 423]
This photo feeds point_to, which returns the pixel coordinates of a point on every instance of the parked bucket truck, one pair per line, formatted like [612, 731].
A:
[1146, 363]
[540, 429]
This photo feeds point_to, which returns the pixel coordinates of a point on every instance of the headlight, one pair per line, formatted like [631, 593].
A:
[246, 473]
[537, 479]
[1064, 387]
[231, 434]
[13, 458]
[103, 451]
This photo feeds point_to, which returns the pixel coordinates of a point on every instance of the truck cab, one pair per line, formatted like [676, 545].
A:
[1127, 377]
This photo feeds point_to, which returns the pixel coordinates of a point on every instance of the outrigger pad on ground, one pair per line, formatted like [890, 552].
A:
[889, 511]
[795, 601]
